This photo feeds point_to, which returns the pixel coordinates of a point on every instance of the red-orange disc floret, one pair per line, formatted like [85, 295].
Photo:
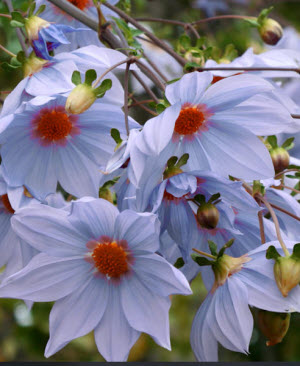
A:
[81, 4]
[110, 259]
[189, 121]
[54, 125]
[7, 204]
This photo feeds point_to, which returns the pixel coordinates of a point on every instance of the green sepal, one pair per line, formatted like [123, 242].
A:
[90, 76]
[40, 10]
[226, 246]
[296, 252]
[183, 160]
[213, 247]
[103, 88]
[272, 253]
[264, 14]
[8, 67]
[200, 198]
[21, 57]
[201, 261]
[17, 18]
[258, 187]
[179, 263]
[76, 78]
[172, 161]
[16, 24]
[252, 22]
[172, 81]
[160, 107]
[31, 9]
[14, 62]
[115, 134]
[272, 140]
[289, 143]
[214, 197]
[190, 66]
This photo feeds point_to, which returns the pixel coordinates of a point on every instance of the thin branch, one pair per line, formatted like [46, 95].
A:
[286, 171]
[5, 16]
[155, 79]
[170, 21]
[137, 103]
[285, 211]
[220, 17]
[18, 31]
[276, 223]
[7, 51]
[143, 107]
[222, 68]
[131, 59]
[261, 227]
[155, 68]
[295, 115]
[205, 254]
[126, 86]
[290, 188]
[145, 86]
[156, 40]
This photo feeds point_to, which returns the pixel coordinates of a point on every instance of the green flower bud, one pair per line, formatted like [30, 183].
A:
[80, 99]
[33, 64]
[270, 31]
[208, 216]
[273, 326]
[280, 158]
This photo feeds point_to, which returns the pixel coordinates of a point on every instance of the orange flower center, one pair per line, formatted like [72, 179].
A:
[54, 125]
[189, 121]
[110, 259]
[81, 4]
[7, 204]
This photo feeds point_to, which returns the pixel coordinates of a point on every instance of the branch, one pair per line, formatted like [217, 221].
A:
[261, 227]
[285, 211]
[285, 171]
[156, 40]
[249, 69]
[220, 17]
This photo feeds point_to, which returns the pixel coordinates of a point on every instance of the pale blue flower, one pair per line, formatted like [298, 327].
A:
[101, 270]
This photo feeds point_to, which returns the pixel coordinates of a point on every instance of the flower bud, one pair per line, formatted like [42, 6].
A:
[287, 273]
[33, 25]
[280, 158]
[208, 216]
[273, 326]
[191, 57]
[270, 31]
[226, 266]
[33, 64]
[80, 99]
[106, 194]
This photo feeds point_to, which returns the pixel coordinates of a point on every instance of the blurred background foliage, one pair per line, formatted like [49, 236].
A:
[23, 333]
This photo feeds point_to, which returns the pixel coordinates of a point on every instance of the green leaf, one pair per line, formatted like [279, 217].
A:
[172, 161]
[213, 247]
[102, 89]
[76, 78]
[183, 160]
[160, 107]
[172, 81]
[8, 67]
[191, 66]
[40, 10]
[289, 143]
[179, 263]
[272, 140]
[90, 76]
[185, 41]
[115, 134]
[272, 253]
[201, 260]
[201, 42]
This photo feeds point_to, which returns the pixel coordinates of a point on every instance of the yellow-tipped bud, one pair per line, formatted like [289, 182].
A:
[280, 158]
[80, 99]
[33, 25]
[287, 273]
[33, 64]
[208, 216]
[273, 326]
[191, 57]
[270, 31]
[226, 266]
